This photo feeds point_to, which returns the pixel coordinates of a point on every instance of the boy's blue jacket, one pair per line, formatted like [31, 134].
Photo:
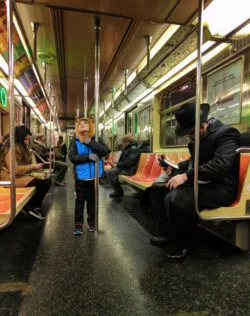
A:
[84, 168]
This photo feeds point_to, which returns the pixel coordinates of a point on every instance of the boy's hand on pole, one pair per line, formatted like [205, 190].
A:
[93, 157]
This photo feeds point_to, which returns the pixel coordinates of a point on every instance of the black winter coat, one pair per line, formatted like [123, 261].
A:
[98, 148]
[129, 159]
[218, 161]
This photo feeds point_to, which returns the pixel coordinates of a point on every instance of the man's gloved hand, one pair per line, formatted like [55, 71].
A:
[93, 157]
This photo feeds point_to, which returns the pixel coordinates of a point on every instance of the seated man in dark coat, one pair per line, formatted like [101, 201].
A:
[126, 165]
[173, 204]
[245, 139]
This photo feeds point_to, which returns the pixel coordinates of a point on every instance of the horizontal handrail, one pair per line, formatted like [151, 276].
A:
[5, 183]
[243, 150]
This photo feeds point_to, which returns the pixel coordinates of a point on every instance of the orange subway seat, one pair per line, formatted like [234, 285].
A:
[146, 168]
[244, 162]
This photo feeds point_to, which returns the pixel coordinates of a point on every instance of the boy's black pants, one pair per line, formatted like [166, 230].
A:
[85, 191]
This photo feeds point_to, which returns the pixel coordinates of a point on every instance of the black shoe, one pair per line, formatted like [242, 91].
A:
[116, 194]
[160, 241]
[181, 254]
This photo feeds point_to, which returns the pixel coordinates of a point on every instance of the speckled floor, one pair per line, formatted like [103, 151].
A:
[45, 270]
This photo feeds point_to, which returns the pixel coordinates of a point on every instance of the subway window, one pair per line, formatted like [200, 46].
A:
[170, 102]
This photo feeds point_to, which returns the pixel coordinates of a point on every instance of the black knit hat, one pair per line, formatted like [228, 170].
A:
[185, 117]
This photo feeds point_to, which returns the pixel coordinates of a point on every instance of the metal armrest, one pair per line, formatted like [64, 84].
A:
[243, 150]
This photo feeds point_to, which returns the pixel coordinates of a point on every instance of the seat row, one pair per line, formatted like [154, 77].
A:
[148, 169]
[23, 195]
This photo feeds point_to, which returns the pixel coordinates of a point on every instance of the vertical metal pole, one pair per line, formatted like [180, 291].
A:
[104, 116]
[126, 81]
[35, 26]
[148, 39]
[12, 114]
[53, 124]
[44, 64]
[85, 97]
[113, 119]
[198, 99]
[97, 100]
[50, 136]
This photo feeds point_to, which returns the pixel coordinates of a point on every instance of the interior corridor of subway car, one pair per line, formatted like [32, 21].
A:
[124, 157]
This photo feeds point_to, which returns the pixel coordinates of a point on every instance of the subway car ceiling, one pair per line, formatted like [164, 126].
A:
[66, 39]
[66, 43]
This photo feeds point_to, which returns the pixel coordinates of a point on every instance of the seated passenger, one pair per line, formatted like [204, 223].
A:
[25, 165]
[145, 146]
[60, 166]
[126, 165]
[62, 148]
[245, 139]
[83, 153]
[173, 204]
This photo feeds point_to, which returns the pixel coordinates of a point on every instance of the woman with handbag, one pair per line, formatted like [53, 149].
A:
[27, 174]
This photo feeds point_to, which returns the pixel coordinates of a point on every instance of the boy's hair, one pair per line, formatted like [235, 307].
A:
[92, 118]
[83, 120]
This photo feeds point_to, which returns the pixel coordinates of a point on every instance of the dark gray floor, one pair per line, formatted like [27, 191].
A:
[115, 272]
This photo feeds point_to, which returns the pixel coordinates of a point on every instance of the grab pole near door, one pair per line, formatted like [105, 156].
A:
[85, 97]
[198, 100]
[96, 104]
[12, 182]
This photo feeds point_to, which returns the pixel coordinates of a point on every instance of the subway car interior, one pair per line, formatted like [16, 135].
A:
[139, 112]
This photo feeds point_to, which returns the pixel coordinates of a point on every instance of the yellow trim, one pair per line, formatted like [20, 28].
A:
[237, 210]
[140, 185]
[28, 193]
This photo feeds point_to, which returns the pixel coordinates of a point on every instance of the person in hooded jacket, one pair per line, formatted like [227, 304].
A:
[173, 204]
[126, 165]
[83, 153]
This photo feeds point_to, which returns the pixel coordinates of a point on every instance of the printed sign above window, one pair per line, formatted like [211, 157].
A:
[224, 93]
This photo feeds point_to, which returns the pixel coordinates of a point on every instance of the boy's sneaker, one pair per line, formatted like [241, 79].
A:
[91, 229]
[78, 230]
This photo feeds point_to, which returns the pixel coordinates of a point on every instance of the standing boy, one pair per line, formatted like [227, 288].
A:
[83, 153]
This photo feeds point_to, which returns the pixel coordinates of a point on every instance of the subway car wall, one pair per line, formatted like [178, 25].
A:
[226, 86]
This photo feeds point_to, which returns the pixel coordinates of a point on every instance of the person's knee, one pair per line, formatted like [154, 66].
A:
[174, 200]
[65, 167]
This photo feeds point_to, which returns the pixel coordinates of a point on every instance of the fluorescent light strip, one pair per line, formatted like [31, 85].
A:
[4, 83]
[21, 35]
[182, 64]
[192, 66]
[29, 56]
[158, 45]
[141, 96]
[21, 88]
[108, 105]
[31, 102]
[235, 14]
[4, 65]
[163, 40]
